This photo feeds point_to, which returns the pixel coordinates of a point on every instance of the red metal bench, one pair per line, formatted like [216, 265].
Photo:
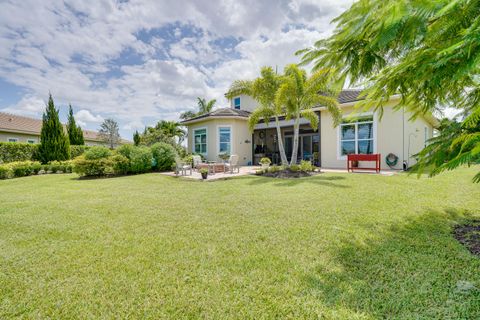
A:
[363, 157]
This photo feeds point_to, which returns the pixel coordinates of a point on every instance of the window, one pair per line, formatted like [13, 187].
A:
[425, 134]
[236, 103]
[31, 141]
[200, 141]
[225, 140]
[12, 140]
[357, 136]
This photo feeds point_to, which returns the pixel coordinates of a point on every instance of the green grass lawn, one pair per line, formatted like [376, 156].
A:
[337, 246]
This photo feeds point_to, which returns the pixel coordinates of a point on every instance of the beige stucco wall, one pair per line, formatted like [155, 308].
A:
[246, 103]
[392, 133]
[240, 134]
[4, 136]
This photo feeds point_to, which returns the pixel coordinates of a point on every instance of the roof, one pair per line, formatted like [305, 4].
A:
[20, 124]
[349, 95]
[220, 113]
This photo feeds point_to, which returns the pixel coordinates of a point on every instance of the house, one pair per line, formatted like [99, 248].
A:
[226, 131]
[15, 128]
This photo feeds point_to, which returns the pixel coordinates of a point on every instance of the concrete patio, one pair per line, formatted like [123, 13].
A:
[250, 170]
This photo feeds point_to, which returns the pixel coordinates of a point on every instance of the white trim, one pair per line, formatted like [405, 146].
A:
[375, 122]
[193, 140]
[14, 139]
[218, 137]
[282, 123]
[189, 122]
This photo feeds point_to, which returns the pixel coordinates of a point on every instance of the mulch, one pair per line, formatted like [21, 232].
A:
[286, 174]
[468, 234]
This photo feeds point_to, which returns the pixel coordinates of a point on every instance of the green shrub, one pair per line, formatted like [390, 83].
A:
[13, 151]
[97, 152]
[140, 160]
[23, 168]
[60, 166]
[265, 161]
[164, 155]
[5, 171]
[76, 151]
[294, 167]
[92, 167]
[120, 164]
[306, 166]
[274, 169]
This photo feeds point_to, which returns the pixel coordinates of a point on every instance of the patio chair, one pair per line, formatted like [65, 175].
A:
[197, 161]
[180, 166]
[232, 163]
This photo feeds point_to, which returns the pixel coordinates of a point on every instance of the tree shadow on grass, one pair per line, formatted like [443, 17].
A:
[413, 270]
[327, 181]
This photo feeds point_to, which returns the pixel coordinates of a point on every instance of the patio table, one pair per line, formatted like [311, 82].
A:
[211, 167]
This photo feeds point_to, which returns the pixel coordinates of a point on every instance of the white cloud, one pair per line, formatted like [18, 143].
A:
[76, 51]
[27, 106]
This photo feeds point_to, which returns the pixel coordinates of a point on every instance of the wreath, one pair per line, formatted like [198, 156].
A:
[391, 159]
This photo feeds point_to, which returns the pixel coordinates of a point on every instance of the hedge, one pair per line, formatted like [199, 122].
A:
[14, 151]
[18, 169]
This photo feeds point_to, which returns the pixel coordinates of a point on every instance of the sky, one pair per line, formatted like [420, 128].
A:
[142, 61]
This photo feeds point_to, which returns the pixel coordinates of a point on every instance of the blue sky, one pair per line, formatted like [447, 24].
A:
[141, 61]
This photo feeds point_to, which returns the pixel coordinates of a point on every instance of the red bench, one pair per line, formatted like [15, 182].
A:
[363, 157]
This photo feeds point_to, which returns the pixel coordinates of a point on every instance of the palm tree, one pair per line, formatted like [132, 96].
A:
[263, 90]
[205, 106]
[171, 129]
[298, 94]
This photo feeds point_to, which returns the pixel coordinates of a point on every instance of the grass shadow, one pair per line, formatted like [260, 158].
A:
[413, 270]
[319, 179]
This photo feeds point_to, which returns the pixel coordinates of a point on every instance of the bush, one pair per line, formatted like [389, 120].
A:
[140, 160]
[164, 156]
[60, 166]
[5, 171]
[113, 165]
[120, 164]
[265, 161]
[13, 151]
[294, 167]
[76, 151]
[97, 152]
[306, 166]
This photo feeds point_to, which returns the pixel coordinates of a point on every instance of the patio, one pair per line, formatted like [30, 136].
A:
[250, 170]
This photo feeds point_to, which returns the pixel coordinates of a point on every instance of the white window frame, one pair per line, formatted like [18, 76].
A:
[12, 139]
[193, 140]
[218, 137]
[240, 103]
[339, 133]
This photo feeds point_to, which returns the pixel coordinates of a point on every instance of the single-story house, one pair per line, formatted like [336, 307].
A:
[225, 130]
[14, 128]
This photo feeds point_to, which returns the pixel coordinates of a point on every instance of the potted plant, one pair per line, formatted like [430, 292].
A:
[224, 156]
[204, 173]
[265, 162]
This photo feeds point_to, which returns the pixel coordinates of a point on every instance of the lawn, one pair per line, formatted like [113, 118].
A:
[341, 246]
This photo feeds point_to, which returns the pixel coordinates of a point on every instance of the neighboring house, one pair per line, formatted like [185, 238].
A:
[226, 131]
[15, 128]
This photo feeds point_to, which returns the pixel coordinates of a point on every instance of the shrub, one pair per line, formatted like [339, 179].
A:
[140, 160]
[23, 168]
[13, 151]
[76, 151]
[274, 169]
[120, 164]
[60, 166]
[6, 171]
[92, 167]
[294, 167]
[164, 155]
[97, 152]
[306, 166]
[265, 161]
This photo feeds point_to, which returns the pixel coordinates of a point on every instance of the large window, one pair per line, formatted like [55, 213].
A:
[225, 140]
[200, 141]
[356, 136]
[236, 103]
[12, 140]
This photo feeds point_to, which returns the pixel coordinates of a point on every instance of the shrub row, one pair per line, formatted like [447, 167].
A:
[304, 166]
[18, 169]
[127, 159]
[14, 151]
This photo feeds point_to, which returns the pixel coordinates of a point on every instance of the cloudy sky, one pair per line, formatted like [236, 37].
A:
[141, 61]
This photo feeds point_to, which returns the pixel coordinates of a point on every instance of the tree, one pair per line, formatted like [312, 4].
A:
[263, 90]
[136, 138]
[172, 129]
[75, 133]
[204, 107]
[298, 94]
[109, 132]
[427, 51]
[54, 144]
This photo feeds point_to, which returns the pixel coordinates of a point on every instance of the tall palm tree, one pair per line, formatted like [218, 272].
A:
[263, 90]
[171, 129]
[298, 94]
[205, 106]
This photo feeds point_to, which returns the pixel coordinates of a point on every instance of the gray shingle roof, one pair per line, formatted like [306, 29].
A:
[349, 95]
[221, 113]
